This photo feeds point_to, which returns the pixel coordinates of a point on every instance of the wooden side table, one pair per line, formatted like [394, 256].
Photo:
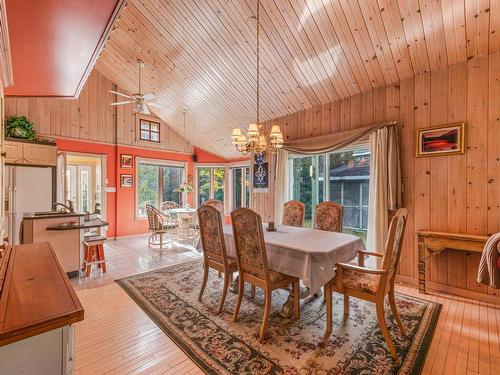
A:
[432, 243]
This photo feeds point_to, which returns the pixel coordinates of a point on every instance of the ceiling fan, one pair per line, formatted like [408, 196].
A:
[142, 102]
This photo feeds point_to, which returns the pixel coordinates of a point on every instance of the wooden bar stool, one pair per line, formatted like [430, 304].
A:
[94, 254]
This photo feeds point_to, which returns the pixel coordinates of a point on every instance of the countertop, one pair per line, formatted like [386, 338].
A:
[97, 223]
[32, 216]
[36, 296]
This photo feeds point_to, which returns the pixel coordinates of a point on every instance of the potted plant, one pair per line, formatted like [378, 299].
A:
[19, 127]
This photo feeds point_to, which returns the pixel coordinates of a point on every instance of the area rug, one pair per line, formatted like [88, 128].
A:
[220, 346]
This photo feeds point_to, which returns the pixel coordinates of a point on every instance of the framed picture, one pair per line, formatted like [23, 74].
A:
[126, 161]
[441, 140]
[126, 180]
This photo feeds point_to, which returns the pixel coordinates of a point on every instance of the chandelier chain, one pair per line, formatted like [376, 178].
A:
[258, 61]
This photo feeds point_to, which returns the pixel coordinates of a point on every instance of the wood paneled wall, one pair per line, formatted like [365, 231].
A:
[458, 193]
[91, 118]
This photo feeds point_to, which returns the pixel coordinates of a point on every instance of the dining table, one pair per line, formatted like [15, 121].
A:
[185, 216]
[308, 254]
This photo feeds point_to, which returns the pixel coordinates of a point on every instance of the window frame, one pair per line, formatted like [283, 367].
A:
[242, 167]
[149, 121]
[197, 166]
[158, 163]
[326, 181]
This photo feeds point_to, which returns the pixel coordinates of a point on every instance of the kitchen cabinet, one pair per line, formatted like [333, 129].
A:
[30, 153]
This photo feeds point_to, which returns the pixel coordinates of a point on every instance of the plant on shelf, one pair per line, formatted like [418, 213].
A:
[19, 127]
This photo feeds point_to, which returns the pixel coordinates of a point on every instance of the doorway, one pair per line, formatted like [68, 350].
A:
[83, 182]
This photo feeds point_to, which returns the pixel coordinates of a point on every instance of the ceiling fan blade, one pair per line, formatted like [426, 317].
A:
[149, 97]
[121, 94]
[120, 103]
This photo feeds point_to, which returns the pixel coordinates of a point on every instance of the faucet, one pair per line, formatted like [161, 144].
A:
[70, 209]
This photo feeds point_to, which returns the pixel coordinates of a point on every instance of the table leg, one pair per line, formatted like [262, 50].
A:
[234, 286]
[287, 308]
[421, 267]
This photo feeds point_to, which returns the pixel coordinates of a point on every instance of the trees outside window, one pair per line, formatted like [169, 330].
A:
[211, 181]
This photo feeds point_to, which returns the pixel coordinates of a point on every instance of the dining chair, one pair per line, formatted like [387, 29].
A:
[293, 213]
[217, 204]
[329, 216]
[159, 225]
[371, 284]
[214, 250]
[252, 264]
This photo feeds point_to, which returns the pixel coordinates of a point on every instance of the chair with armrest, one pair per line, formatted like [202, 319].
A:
[371, 284]
[160, 226]
[253, 267]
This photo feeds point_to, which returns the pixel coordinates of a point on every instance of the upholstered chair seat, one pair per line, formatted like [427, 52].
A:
[360, 281]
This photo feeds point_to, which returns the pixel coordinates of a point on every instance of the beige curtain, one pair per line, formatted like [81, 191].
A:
[385, 184]
[331, 142]
[281, 185]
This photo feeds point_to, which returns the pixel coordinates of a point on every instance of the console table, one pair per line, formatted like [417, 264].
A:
[432, 243]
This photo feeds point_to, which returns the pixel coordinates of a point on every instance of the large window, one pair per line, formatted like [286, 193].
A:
[210, 184]
[346, 182]
[156, 183]
[240, 187]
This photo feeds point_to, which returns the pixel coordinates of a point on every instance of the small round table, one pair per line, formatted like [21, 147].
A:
[186, 216]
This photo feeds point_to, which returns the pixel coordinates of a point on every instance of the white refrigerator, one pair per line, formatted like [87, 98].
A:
[29, 189]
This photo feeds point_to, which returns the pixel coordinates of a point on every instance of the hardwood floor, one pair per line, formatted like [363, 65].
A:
[117, 337]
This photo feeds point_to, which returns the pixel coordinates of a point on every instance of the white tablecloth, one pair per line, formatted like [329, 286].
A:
[308, 254]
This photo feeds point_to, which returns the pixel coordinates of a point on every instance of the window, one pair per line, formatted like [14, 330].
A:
[150, 130]
[210, 184]
[240, 187]
[347, 183]
[157, 183]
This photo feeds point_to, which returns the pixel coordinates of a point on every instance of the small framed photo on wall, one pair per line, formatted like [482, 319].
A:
[126, 161]
[126, 180]
[441, 140]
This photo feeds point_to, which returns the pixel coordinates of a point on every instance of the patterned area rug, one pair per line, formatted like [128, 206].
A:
[219, 346]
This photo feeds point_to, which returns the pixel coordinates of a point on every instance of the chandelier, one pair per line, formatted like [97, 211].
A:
[255, 140]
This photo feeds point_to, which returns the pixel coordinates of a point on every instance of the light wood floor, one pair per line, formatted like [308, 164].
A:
[117, 337]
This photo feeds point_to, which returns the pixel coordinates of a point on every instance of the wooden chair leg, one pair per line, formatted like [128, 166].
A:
[252, 291]
[224, 292]
[220, 274]
[328, 300]
[296, 299]
[395, 312]
[265, 317]
[383, 328]
[346, 305]
[241, 290]
[204, 282]
[102, 257]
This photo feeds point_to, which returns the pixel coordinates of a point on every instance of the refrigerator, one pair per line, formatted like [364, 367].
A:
[29, 189]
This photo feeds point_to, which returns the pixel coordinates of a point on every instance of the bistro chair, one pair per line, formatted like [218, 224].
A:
[160, 225]
[371, 284]
[293, 213]
[215, 203]
[252, 264]
[329, 216]
[214, 250]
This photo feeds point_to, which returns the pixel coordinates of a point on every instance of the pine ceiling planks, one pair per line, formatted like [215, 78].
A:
[200, 55]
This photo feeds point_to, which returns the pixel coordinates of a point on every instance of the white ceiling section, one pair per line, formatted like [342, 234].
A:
[200, 54]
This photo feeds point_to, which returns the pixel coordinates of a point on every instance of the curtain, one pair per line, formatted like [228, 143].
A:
[331, 142]
[385, 184]
[281, 185]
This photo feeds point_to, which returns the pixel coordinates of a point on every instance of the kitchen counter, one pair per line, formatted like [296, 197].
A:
[36, 295]
[32, 216]
[97, 223]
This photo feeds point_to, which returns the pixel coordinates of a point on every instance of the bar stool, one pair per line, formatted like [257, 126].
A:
[94, 254]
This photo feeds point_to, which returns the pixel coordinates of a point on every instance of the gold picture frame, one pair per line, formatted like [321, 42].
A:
[448, 139]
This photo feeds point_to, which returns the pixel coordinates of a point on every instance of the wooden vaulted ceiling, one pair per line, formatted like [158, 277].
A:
[200, 55]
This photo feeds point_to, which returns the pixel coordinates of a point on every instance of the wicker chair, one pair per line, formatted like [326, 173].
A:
[293, 213]
[214, 250]
[160, 226]
[371, 284]
[329, 216]
[217, 204]
[252, 264]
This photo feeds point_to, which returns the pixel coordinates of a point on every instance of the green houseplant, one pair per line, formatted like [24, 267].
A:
[19, 127]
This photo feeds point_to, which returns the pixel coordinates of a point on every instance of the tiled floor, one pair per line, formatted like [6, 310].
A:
[131, 255]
